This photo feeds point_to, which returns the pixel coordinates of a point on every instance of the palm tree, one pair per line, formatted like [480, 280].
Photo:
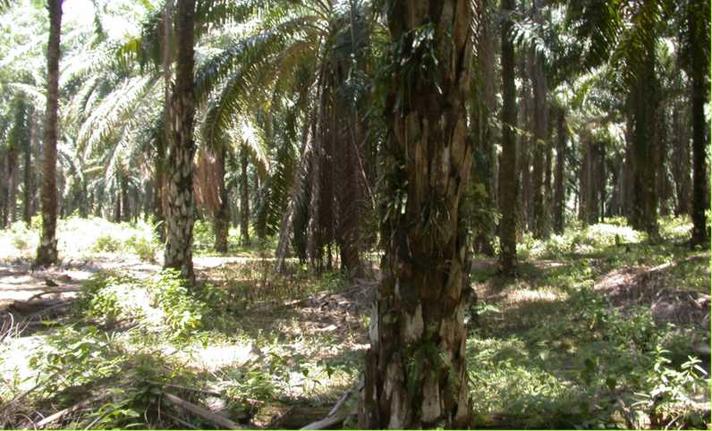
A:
[181, 148]
[47, 250]
[415, 370]
[644, 101]
[697, 15]
[559, 181]
[508, 182]
[312, 55]
[17, 140]
[483, 107]
[244, 197]
[222, 213]
[540, 138]
[29, 184]
[626, 34]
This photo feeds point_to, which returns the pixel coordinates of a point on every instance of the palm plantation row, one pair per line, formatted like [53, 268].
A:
[431, 130]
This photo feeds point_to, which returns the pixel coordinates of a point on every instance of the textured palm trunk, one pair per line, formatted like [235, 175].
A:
[28, 208]
[125, 205]
[584, 191]
[314, 231]
[548, 177]
[627, 179]
[349, 194]
[559, 180]
[12, 181]
[159, 182]
[599, 181]
[664, 185]
[698, 15]
[416, 369]
[616, 204]
[592, 180]
[349, 200]
[47, 250]
[221, 218]
[645, 102]
[327, 207]
[244, 199]
[136, 201]
[4, 204]
[160, 179]
[525, 143]
[540, 219]
[117, 208]
[179, 211]
[508, 181]
[147, 200]
[286, 224]
[83, 197]
[681, 163]
[3, 194]
[484, 104]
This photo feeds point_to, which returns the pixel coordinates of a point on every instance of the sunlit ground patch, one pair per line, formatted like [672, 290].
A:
[538, 295]
[15, 370]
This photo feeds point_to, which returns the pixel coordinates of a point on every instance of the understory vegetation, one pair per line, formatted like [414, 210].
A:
[365, 214]
[600, 329]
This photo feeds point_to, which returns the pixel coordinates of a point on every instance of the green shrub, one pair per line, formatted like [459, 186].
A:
[76, 356]
[144, 248]
[106, 244]
[107, 297]
[19, 242]
[203, 235]
[183, 312]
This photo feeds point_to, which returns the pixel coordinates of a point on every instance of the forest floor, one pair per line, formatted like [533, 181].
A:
[600, 329]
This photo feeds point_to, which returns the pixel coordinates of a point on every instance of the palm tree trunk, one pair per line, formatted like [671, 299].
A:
[222, 214]
[585, 179]
[616, 205]
[12, 177]
[598, 181]
[181, 148]
[548, 176]
[698, 15]
[147, 200]
[628, 179]
[484, 104]
[664, 185]
[3, 190]
[540, 212]
[416, 371]
[525, 140]
[125, 206]
[160, 181]
[244, 198]
[559, 180]
[47, 250]
[117, 208]
[681, 162]
[29, 184]
[286, 224]
[508, 182]
[349, 196]
[314, 232]
[645, 102]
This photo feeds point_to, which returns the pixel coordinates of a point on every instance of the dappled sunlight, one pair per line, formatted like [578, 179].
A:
[539, 295]
[212, 358]
[276, 340]
[15, 370]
